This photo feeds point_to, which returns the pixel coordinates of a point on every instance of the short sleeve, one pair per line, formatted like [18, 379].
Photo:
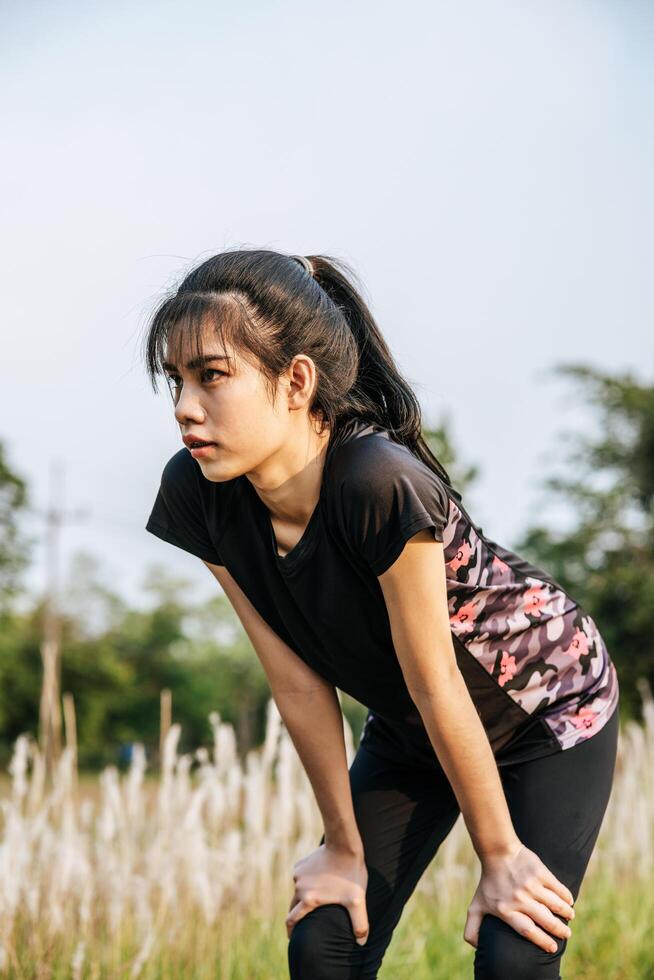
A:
[387, 496]
[179, 513]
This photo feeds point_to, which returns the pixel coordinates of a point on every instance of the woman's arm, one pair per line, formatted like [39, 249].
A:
[336, 870]
[415, 592]
[312, 715]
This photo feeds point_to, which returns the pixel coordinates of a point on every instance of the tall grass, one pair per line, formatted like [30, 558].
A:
[189, 874]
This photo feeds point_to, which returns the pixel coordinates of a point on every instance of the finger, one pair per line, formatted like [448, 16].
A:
[542, 916]
[294, 900]
[554, 902]
[527, 927]
[551, 881]
[471, 928]
[359, 918]
[297, 912]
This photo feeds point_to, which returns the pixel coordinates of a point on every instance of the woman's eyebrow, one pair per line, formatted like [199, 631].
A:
[197, 362]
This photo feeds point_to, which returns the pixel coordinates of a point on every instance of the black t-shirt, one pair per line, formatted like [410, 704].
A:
[324, 600]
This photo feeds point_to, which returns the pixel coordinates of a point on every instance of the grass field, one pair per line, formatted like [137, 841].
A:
[188, 875]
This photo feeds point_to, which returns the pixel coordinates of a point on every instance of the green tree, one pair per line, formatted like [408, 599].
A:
[116, 660]
[440, 442]
[14, 544]
[606, 559]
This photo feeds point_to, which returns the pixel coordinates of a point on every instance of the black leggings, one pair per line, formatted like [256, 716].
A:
[405, 809]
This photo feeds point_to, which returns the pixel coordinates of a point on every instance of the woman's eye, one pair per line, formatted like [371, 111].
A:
[175, 382]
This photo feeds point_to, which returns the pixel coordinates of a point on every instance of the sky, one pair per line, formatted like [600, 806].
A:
[485, 168]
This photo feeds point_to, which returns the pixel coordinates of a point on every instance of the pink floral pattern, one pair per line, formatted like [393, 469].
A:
[539, 645]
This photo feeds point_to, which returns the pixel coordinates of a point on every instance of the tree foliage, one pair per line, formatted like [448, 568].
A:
[606, 557]
[116, 659]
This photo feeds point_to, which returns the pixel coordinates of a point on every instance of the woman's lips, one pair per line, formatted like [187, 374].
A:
[205, 450]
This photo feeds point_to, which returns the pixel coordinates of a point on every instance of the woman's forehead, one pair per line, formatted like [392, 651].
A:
[184, 349]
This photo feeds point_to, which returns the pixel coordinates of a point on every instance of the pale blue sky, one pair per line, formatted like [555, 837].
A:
[486, 168]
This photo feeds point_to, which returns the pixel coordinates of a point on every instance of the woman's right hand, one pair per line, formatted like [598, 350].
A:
[331, 874]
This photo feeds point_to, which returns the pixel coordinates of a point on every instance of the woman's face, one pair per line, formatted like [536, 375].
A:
[224, 400]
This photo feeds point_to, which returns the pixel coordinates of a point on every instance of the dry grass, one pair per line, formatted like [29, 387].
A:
[189, 875]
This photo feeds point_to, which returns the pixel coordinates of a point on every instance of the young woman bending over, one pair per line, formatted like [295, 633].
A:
[305, 486]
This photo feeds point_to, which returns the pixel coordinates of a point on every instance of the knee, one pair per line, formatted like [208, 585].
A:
[503, 953]
[322, 945]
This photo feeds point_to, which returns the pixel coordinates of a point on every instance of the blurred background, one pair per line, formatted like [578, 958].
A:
[485, 168]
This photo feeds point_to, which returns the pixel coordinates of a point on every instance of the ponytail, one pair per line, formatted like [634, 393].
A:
[380, 393]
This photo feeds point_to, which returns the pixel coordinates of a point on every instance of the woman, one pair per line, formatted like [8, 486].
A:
[306, 488]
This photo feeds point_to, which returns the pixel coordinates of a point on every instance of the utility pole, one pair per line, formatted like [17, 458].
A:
[50, 706]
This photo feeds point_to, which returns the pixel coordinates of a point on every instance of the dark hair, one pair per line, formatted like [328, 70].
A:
[267, 303]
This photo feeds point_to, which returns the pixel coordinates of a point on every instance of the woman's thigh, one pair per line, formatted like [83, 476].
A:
[557, 805]
[403, 811]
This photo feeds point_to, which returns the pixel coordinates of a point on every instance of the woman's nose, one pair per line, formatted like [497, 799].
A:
[188, 407]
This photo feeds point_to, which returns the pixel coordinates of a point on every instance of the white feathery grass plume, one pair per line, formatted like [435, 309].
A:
[77, 962]
[18, 767]
[38, 779]
[221, 838]
[143, 955]
[134, 799]
[625, 845]
[272, 734]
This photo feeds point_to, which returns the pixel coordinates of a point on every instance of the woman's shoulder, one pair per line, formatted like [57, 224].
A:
[369, 459]
[182, 479]
[187, 509]
[180, 467]
[380, 493]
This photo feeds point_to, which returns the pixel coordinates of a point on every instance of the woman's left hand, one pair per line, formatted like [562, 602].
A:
[522, 891]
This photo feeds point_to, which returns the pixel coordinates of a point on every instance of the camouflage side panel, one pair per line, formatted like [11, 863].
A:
[535, 641]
